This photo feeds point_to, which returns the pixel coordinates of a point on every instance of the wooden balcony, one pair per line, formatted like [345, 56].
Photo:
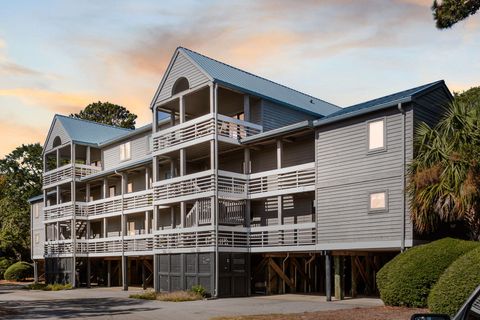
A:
[202, 129]
[65, 210]
[138, 201]
[105, 206]
[288, 180]
[286, 236]
[200, 185]
[188, 187]
[57, 248]
[66, 173]
[184, 240]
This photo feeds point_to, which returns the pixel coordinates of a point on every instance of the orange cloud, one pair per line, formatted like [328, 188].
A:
[56, 101]
[16, 134]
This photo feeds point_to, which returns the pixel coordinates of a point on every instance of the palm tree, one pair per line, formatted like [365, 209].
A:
[444, 176]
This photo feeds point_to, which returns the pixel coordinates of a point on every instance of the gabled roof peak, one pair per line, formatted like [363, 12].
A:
[250, 83]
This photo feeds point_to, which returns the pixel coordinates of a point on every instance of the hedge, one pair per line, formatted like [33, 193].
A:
[456, 284]
[18, 271]
[4, 264]
[407, 279]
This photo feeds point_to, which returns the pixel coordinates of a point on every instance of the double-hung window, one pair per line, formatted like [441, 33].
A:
[376, 135]
[125, 151]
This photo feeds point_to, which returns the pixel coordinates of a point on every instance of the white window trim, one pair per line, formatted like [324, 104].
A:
[377, 210]
[124, 156]
[380, 149]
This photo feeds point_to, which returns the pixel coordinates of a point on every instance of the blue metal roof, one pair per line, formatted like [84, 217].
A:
[239, 79]
[89, 132]
[391, 99]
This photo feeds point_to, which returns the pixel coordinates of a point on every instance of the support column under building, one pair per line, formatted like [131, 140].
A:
[328, 276]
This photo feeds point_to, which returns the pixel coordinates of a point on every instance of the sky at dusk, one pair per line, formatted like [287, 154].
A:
[59, 56]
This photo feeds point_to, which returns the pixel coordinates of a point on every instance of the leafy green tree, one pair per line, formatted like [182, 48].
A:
[20, 179]
[445, 173]
[470, 96]
[107, 113]
[448, 12]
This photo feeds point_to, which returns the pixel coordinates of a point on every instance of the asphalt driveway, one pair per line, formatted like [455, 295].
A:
[113, 303]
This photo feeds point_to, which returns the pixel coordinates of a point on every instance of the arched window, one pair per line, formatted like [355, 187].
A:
[180, 85]
[56, 142]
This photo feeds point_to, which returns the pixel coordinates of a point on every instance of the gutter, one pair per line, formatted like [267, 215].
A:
[327, 120]
[403, 233]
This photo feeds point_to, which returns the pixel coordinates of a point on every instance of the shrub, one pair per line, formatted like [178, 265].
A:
[179, 296]
[18, 271]
[35, 286]
[4, 264]
[147, 295]
[49, 287]
[407, 279]
[456, 284]
[200, 290]
[58, 287]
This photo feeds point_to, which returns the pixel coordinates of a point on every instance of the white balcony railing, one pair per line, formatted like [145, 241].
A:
[175, 239]
[138, 243]
[301, 234]
[286, 180]
[63, 210]
[58, 247]
[103, 245]
[201, 129]
[236, 129]
[65, 173]
[138, 200]
[104, 206]
[191, 186]
[232, 185]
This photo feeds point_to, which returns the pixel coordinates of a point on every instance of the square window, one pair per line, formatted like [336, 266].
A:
[376, 135]
[378, 201]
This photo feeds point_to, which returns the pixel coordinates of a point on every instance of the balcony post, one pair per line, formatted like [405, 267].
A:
[104, 188]
[279, 166]
[88, 159]
[57, 195]
[104, 227]
[57, 155]
[183, 163]
[147, 222]
[246, 170]
[73, 235]
[246, 108]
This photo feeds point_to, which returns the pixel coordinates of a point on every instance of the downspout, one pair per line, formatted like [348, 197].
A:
[124, 277]
[402, 240]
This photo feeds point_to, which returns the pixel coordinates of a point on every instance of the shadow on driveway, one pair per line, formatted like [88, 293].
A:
[72, 308]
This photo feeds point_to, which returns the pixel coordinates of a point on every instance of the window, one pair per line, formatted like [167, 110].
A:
[378, 201]
[376, 135]
[111, 191]
[129, 187]
[125, 151]
[149, 143]
[36, 211]
[180, 85]
[37, 238]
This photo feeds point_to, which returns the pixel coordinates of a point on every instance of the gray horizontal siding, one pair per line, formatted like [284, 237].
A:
[139, 149]
[59, 131]
[181, 67]
[347, 173]
[298, 151]
[275, 116]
